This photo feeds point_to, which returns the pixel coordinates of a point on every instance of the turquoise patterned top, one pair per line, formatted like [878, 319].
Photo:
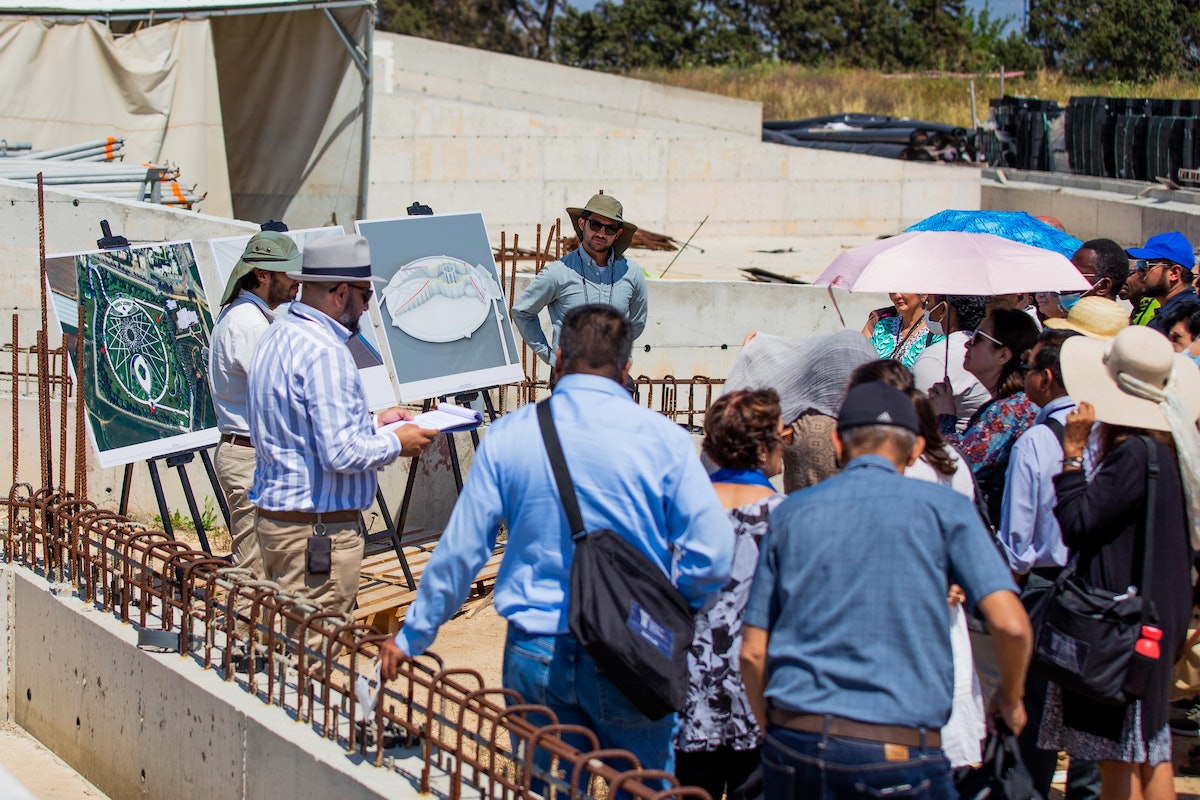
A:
[886, 340]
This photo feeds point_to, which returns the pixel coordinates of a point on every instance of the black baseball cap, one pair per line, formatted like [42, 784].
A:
[877, 403]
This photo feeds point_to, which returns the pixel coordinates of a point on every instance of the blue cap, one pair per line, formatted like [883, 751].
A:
[1172, 246]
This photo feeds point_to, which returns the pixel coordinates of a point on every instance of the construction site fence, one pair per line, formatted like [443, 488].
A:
[307, 661]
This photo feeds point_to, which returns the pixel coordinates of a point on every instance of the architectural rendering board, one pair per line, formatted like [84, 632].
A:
[145, 347]
[443, 308]
[368, 354]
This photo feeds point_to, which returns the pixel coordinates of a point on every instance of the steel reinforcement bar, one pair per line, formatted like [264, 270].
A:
[308, 662]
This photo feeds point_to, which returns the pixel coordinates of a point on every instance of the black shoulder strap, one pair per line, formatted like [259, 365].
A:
[1148, 525]
[558, 463]
[1056, 426]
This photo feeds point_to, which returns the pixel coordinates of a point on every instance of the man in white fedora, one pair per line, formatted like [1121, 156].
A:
[257, 286]
[317, 447]
[595, 272]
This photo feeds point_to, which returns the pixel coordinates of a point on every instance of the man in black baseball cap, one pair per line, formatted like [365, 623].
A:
[849, 599]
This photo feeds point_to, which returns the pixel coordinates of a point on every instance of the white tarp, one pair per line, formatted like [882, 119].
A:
[61, 84]
[261, 111]
[131, 6]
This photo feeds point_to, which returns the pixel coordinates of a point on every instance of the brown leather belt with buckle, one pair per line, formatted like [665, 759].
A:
[309, 518]
[840, 726]
[233, 438]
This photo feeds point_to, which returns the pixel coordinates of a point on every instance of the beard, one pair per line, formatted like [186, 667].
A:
[349, 320]
[278, 292]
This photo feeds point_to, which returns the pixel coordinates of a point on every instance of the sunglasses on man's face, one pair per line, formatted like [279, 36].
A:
[596, 227]
[1142, 266]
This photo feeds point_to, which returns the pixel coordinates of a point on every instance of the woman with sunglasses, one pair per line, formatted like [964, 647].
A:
[994, 357]
[717, 741]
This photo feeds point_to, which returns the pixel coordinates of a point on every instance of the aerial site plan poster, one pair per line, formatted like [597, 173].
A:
[443, 309]
[368, 354]
[145, 347]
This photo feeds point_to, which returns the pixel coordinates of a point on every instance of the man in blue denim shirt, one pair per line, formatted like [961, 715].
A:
[635, 472]
[846, 649]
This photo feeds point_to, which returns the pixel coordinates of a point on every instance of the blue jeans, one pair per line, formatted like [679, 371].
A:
[816, 766]
[556, 671]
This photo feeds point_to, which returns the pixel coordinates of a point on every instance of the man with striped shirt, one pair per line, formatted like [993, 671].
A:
[316, 444]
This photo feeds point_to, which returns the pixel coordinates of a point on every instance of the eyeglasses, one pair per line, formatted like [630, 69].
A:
[596, 227]
[367, 292]
[1142, 266]
[975, 339]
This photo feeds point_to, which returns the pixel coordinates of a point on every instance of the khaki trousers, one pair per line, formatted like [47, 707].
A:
[283, 546]
[234, 464]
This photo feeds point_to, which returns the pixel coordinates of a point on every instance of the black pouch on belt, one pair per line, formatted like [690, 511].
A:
[318, 555]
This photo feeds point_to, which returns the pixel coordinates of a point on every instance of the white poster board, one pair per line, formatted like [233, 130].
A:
[443, 309]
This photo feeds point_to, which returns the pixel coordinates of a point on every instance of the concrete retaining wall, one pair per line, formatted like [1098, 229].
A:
[480, 77]
[139, 724]
[451, 135]
[1126, 211]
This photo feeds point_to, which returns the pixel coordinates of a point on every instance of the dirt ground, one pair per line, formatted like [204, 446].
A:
[474, 639]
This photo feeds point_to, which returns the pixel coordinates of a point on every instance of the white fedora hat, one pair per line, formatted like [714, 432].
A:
[1093, 371]
[336, 259]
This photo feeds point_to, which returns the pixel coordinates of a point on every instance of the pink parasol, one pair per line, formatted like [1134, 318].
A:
[951, 262]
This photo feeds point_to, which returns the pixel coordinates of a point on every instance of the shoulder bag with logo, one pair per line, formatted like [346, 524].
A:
[623, 610]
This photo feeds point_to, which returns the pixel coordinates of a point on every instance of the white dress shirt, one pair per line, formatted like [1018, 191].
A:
[239, 327]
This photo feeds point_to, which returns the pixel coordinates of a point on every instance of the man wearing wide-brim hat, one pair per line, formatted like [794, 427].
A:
[595, 272]
[257, 286]
[318, 448]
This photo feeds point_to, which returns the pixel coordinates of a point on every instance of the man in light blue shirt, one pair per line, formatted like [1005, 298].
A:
[635, 472]
[316, 446]
[595, 272]
[846, 649]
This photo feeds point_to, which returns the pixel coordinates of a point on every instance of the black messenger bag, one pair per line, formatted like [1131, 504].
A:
[624, 611]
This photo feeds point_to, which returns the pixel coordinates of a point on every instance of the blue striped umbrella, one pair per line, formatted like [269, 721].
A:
[1016, 226]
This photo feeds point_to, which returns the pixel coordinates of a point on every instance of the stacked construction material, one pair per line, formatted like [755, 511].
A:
[870, 134]
[1020, 133]
[96, 167]
[1133, 138]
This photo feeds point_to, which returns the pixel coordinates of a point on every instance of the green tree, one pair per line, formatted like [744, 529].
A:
[520, 27]
[618, 36]
[1126, 39]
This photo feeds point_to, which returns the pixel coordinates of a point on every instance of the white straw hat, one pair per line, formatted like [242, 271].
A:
[1097, 317]
[1094, 371]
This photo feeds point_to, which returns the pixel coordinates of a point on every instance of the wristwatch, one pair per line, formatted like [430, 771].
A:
[1075, 462]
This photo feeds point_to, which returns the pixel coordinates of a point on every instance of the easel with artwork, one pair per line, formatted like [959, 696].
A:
[447, 329]
[143, 373]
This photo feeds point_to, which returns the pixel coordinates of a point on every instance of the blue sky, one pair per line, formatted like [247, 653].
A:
[1002, 8]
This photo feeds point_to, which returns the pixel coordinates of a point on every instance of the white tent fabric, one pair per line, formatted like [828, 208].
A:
[118, 7]
[64, 83]
[263, 111]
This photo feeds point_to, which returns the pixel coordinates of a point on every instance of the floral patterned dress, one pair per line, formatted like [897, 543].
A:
[888, 344]
[718, 712]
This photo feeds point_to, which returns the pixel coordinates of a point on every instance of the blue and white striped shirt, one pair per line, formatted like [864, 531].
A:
[315, 443]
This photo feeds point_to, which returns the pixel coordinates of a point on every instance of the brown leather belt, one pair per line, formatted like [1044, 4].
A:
[309, 518]
[840, 726]
[233, 438]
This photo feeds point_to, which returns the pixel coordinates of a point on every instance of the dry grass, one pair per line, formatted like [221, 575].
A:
[792, 92]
